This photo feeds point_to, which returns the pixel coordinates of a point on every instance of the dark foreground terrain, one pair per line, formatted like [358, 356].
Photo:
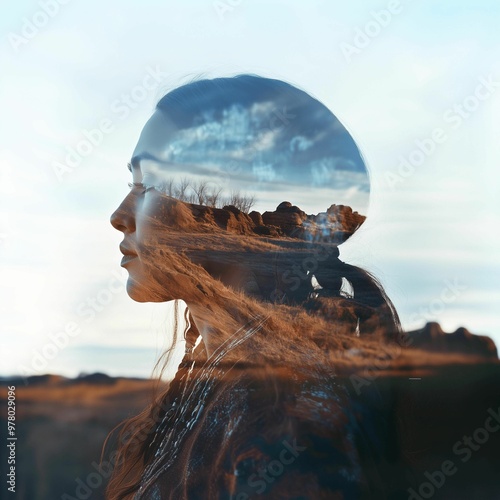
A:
[444, 421]
[61, 425]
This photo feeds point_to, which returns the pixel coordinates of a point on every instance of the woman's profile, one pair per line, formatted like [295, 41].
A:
[242, 190]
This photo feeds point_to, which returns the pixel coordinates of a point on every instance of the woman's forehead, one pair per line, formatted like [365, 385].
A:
[155, 136]
[272, 152]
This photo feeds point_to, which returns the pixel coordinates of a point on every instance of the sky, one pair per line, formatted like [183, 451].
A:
[257, 137]
[415, 82]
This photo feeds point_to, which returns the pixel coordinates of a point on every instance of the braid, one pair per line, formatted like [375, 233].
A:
[366, 292]
[169, 402]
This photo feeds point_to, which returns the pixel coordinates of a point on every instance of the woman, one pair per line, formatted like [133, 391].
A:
[256, 406]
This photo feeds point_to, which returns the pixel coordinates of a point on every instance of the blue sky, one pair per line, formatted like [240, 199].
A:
[414, 83]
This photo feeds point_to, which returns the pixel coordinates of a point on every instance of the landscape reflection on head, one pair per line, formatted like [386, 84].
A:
[253, 143]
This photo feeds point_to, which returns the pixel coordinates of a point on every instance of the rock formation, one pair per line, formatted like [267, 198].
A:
[432, 338]
[333, 226]
[289, 218]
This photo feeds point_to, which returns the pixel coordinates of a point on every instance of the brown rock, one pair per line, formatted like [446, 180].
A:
[432, 338]
[256, 217]
[288, 218]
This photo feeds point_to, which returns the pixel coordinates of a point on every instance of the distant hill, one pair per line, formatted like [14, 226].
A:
[432, 338]
[50, 380]
[61, 425]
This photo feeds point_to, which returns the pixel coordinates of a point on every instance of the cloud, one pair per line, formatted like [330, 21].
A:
[300, 143]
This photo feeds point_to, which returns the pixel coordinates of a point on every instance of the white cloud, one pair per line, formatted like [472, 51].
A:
[441, 222]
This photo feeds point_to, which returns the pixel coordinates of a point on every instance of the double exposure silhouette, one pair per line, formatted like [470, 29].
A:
[243, 188]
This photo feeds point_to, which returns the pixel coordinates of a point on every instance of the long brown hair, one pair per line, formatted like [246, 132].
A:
[132, 438]
[135, 438]
[316, 317]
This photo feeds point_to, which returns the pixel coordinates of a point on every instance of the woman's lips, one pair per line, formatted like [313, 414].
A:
[128, 255]
[126, 259]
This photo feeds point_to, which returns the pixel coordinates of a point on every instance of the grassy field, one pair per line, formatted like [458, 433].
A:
[62, 424]
[61, 428]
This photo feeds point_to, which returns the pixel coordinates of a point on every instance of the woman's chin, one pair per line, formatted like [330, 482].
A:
[140, 292]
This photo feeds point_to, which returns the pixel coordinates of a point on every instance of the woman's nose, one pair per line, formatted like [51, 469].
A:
[123, 218]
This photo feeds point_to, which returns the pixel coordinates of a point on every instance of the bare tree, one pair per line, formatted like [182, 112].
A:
[247, 202]
[201, 190]
[202, 193]
[214, 197]
[240, 201]
[168, 187]
[181, 189]
[234, 199]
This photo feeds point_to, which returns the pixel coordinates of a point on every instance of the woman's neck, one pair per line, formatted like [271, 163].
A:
[220, 317]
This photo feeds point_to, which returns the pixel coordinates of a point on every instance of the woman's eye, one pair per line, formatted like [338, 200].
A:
[140, 185]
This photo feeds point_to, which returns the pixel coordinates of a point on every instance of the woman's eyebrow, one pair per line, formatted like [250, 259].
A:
[144, 156]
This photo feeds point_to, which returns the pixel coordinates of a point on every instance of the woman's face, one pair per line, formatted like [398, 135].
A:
[145, 215]
[167, 244]
[216, 154]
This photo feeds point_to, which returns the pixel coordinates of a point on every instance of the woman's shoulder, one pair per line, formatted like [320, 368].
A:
[277, 433]
[273, 431]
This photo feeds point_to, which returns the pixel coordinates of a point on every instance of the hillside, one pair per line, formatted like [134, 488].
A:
[62, 424]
